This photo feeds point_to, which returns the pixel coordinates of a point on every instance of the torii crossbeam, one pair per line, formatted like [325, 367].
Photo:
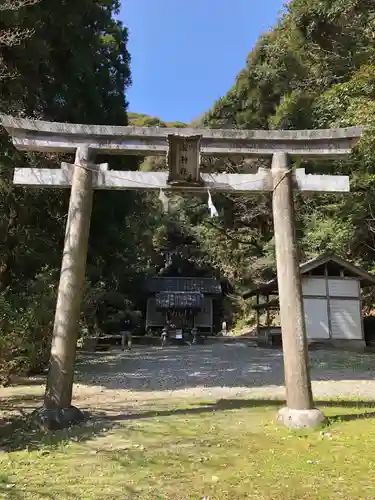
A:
[183, 148]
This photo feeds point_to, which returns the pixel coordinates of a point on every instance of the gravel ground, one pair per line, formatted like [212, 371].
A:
[219, 370]
[148, 378]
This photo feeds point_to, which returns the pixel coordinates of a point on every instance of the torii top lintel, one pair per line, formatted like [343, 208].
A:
[36, 135]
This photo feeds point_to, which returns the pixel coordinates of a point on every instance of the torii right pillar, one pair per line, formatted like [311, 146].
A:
[299, 411]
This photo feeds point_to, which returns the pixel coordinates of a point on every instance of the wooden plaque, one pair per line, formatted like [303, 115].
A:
[184, 159]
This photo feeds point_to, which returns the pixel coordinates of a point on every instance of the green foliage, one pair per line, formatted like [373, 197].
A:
[68, 61]
[315, 69]
[26, 320]
[292, 112]
[65, 61]
[142, 120]
[347, 103]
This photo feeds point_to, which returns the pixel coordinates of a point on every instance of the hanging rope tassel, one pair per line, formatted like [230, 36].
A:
[164, 200]
[211, 206]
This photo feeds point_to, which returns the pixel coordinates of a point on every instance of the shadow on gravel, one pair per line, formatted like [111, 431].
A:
[224, 365]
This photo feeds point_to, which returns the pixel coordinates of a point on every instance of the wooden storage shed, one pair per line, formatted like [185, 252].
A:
[331, 290]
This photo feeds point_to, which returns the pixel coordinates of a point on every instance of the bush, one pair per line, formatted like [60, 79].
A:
[26, 321]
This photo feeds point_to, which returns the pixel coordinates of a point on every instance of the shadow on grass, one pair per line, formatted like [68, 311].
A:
[237, 404]
[347, 417]
[17, 432]
[32, 380]
[19, 404]
[10, 491]
[7, 488]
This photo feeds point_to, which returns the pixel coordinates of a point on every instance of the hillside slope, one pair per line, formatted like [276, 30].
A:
[315, 69]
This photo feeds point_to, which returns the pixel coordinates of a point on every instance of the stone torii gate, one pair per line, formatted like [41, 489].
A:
[183, 148]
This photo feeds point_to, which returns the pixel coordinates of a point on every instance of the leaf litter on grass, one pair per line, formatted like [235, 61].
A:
[174, 457]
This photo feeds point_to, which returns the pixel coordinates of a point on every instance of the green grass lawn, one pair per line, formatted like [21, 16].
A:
[228, 450]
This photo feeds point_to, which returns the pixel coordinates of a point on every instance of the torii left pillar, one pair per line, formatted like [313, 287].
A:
[57, 411]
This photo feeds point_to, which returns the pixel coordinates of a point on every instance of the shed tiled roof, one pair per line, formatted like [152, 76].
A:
[202, 285]
[179, 300]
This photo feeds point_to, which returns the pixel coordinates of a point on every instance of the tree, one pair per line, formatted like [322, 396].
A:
[313, 70]
[11, 35]
[65, 61]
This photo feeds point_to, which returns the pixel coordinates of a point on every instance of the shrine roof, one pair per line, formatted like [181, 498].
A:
[179, 284]
[179, 300]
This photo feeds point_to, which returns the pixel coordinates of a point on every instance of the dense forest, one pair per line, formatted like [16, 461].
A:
[69, 62]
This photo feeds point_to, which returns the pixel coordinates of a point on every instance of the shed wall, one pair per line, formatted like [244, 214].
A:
[343, 287]
[316, 317]
[346, 321]
[314, 286]
[332, 308]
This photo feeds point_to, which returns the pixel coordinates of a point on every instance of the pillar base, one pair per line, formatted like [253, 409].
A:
[52, 419]
[300, 419]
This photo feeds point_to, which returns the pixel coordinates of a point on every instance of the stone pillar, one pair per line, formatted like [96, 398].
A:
[57, 411]
[299, 411]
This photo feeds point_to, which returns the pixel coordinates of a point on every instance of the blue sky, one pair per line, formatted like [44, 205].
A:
[187, 53]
